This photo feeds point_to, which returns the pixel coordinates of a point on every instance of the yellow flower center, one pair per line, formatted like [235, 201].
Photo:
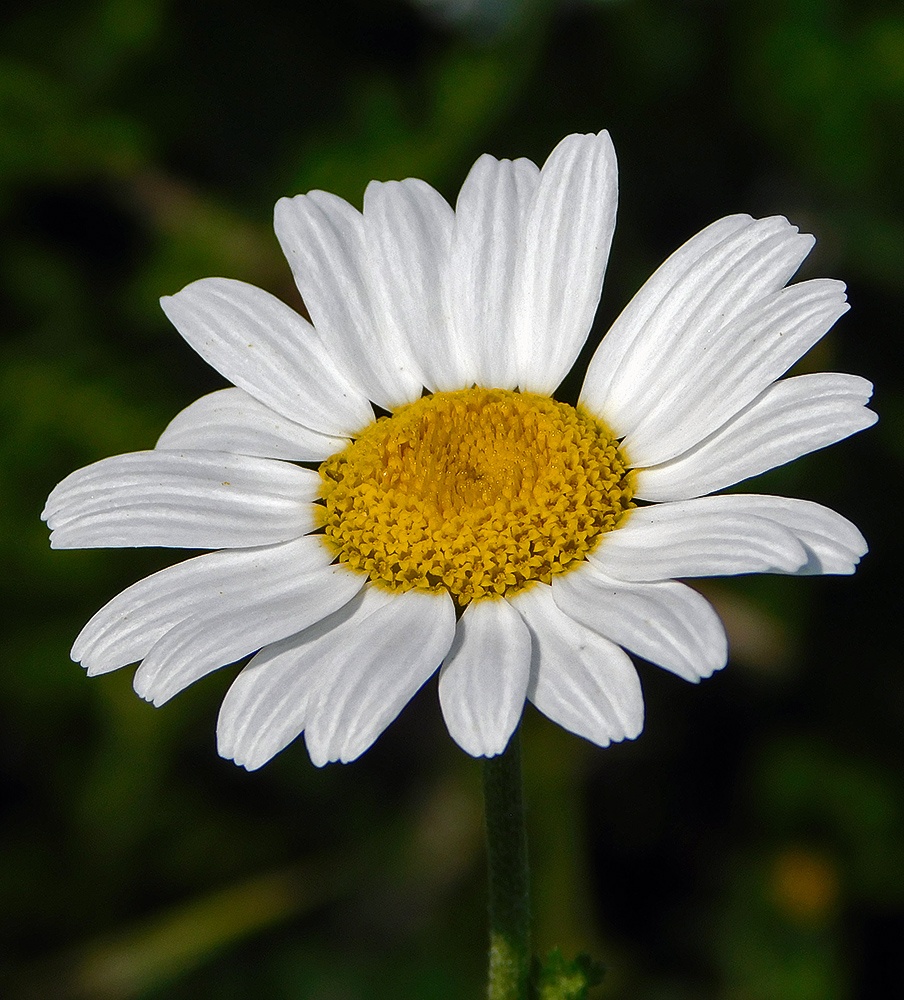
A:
[479, 492]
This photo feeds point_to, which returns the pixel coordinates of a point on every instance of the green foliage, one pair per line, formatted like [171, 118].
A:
[560, 979]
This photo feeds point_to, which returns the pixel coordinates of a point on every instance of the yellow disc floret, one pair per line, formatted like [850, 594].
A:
[479, 492]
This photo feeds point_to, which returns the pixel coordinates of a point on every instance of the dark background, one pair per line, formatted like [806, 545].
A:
[749, 845]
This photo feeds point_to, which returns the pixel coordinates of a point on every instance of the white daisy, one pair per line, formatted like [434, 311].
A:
[522, 544]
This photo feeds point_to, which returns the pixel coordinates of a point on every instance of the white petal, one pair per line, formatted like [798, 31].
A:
[703, 537]
[408, 230]
[706, 334]
[373, 664]
[579, 679]
[267, 704]
[666, 623]
[833, 545]
[126, 628]
[602, 385]
[197, 500]
[489, 219]
[266, 348]
[284, 591]
[567, 234]
[326, 244]
[707, 388]
[789, 419]
[483, 682]
[231, 420]
[666, 301]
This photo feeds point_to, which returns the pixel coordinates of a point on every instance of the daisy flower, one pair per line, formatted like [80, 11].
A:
[477, 525]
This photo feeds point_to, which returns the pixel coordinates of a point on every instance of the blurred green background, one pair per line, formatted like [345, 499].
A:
[750, 845]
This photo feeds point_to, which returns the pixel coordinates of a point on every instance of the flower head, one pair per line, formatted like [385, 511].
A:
[520, 544]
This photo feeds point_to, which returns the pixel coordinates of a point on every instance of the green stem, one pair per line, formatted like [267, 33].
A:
[510, 952]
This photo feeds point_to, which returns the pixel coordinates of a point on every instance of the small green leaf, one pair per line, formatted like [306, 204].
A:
[559, 979]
